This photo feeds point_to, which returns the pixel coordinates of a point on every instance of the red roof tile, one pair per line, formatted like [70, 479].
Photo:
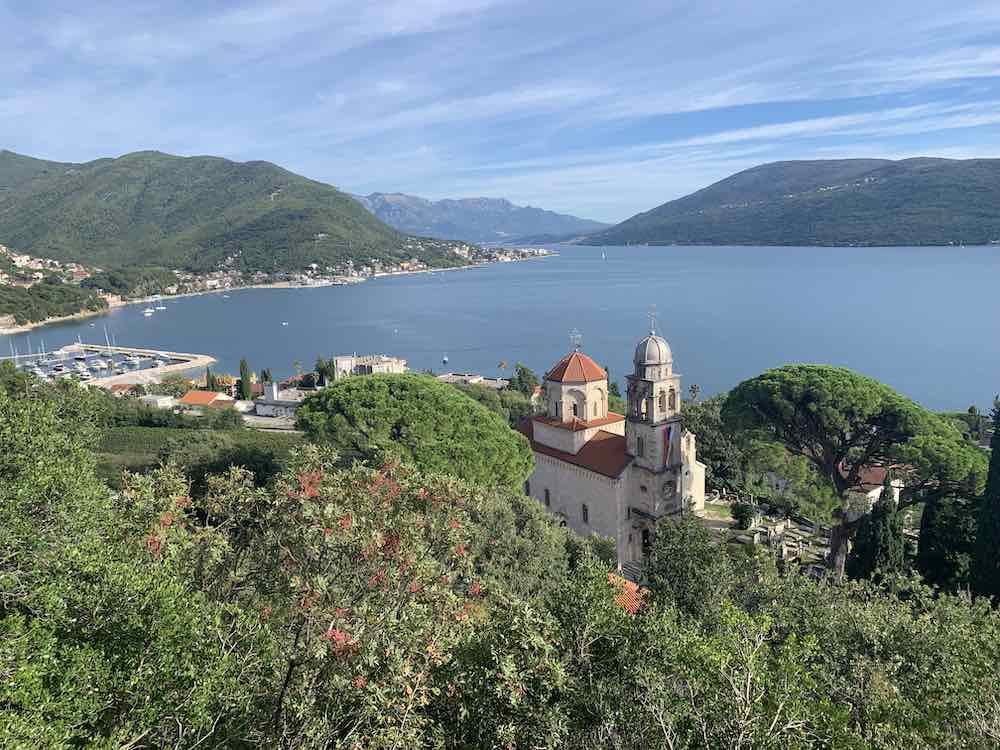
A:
[202, 398]
[575, 425]
[630, 597]
[576, 367]
[603, 454]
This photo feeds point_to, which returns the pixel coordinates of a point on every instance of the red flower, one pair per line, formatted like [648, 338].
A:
[391, 544]
[342, 612]
[415, 588]
[360, 682]
[454, 524]
[309, 483]
[376, 579]
[327, 531]
[476, 589]
[166, 520]
[265, 614]
[153, 544]
[342, 642]
[459, 550]
[345, 521]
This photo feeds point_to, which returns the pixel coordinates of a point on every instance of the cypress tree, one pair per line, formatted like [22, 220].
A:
[879, 548]
[246, 393]
[986, 572]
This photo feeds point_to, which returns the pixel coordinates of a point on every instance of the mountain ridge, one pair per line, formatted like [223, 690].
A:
[475, 219]
[194, 212]
[873, 202]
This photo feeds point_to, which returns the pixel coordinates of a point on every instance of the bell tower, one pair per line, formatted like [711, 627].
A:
[653, 424]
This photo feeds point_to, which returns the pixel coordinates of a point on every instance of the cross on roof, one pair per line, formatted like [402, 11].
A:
[575, 339]
[652, 320]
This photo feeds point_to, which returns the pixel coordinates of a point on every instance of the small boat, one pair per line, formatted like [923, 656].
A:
[284, 322]
[444, 360]
[161, 307]
[225, 296]
[159, 363]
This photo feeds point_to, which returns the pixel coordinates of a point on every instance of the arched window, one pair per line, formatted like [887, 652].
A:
[548, 501]
[586, 513]
[673, 399]
[640, 447]
[575, 410]
[663, 401]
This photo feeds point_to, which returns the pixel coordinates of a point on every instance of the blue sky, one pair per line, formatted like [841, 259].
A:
[590, 107]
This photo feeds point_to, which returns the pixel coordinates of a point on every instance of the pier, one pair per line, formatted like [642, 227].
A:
[123, 364]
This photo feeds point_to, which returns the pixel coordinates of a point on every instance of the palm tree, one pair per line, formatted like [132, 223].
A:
[694, 389]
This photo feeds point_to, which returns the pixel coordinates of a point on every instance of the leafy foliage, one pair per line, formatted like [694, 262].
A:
[946, 547]
[987, 577]
[135, 281]
[843, 422]
[879, 549]
[420, 420]
[47, 299]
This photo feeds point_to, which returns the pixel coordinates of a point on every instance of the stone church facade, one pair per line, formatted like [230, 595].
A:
[614, 474]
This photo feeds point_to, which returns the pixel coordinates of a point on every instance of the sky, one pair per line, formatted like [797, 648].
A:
[589, 107]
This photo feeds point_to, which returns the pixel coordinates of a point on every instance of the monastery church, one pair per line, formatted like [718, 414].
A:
[612, 474]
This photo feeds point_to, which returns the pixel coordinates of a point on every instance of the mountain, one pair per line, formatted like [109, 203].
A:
[150, 208]
[472, 219]
[830, 202]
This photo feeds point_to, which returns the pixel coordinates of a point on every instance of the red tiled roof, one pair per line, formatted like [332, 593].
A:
[603, 454]
[576, 367]
[630, 597]
[201, 398]
[123, 387]
[575, 425]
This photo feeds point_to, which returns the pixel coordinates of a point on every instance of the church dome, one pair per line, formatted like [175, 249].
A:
[576, 367]
[653, 350]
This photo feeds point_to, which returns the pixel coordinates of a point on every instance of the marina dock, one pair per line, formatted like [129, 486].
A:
[104, 366]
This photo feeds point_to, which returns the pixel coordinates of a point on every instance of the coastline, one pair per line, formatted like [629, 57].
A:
[83, 314]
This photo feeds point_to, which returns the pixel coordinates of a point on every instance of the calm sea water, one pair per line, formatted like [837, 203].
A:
[924, 320]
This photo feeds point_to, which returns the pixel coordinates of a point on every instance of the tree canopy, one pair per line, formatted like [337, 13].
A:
[417, 419]
[844, 422]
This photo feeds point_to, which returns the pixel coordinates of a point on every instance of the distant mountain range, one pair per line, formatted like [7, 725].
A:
[150, 208]
[830, 202]
[474, 219]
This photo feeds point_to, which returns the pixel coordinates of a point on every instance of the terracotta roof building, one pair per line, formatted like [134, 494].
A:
[614, 474]
[203, 399]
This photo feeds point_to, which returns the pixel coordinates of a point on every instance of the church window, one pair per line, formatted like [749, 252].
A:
[575, 410]
[586, 513]
[548, 501]
[628, 517]
[663, 401]
[673, 399]
[642, 488]
[527, 488]
[640, 447]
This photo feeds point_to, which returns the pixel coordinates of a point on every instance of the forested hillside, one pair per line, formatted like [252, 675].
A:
[154, 209]
[830, 202]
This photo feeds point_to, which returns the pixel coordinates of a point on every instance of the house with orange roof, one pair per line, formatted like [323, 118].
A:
[201, 400]
[612, 474]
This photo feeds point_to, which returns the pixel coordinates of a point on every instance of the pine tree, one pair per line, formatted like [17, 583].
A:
[265, 375]
[986, 572]
[879, 548]
[246, 392]
[211, 382]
